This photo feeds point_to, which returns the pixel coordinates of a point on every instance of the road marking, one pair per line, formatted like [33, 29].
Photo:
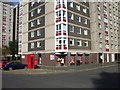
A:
[97, 68]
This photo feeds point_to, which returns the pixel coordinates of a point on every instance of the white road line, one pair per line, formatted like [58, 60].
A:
[97, 68]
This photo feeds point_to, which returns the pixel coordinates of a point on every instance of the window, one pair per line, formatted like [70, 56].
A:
[78, 30]
[71, 42]
[32, 45]
[85, 32]
[110, 14]
[79, 42]
[39, 10]
[39, 1]
[39, 32]
[112, 46]
[64, 14]
[58, 27]
[84, 10]
[58, 16]
[71, 4]
[32, 24]
[107, 37]
[107, 46]
[111, 22]
[85, 21]
[78, 7]
[71, 16]
[84, 1]
[32, 13]
[99, 17]
[78, 18]
[99, 25]
[39, 21]
[86, 43]
[32, 34]
[98, 7]
[32, 3]
[71, 28]
[106, 20]
[100, 45]
[38, 44]
[100, 35]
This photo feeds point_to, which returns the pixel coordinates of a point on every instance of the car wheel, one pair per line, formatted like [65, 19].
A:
[10, 68]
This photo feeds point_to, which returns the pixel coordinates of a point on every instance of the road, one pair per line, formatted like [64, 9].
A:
[97, 78]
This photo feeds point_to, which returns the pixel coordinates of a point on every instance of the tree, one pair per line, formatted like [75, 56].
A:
[5, 50]
[13, 47]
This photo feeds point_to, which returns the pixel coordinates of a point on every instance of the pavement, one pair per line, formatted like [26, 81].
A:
[62, 69]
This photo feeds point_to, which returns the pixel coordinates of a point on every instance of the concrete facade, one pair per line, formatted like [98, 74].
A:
[76, 31]
[6, 23]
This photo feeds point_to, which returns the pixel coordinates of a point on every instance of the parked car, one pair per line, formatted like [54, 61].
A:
[14, 65]
[3, 63]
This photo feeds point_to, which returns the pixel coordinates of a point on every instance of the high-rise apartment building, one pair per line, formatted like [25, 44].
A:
[105, 30]
[78, 31]
[56, 29]
[15, 22]
[6, 24]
